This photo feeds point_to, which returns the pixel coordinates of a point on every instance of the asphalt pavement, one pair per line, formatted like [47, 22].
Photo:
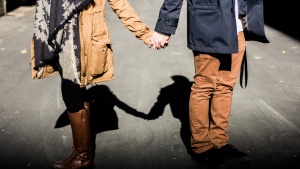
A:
[35, 131]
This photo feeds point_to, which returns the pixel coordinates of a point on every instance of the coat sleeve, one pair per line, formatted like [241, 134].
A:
[131, 20]
[255, 20]
[169, 16]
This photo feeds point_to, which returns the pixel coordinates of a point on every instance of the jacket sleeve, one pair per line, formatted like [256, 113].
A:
[255, 22]
[131, 20]
[169, 16]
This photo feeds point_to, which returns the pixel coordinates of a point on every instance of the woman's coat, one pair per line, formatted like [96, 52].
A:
[96, 46]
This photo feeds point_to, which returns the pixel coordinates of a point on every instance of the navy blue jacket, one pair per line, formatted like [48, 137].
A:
[211, 24]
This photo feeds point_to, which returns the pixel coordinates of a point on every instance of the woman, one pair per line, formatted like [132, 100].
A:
[71, 37]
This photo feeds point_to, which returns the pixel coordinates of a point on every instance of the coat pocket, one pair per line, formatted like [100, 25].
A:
[98, 59]
[206, 4]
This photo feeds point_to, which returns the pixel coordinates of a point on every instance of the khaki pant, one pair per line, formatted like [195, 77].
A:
[211, 97]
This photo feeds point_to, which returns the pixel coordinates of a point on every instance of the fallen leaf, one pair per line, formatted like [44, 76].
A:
[23, 51]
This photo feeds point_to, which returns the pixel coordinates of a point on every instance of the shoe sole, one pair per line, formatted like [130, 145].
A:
[236, 161]
[210, 167]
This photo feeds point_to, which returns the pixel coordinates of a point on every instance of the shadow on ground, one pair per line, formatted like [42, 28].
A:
[13, 4]
[102, 113]
[282, 16]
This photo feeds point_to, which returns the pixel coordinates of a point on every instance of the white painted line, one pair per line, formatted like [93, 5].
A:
[58, 96]
[279, 118]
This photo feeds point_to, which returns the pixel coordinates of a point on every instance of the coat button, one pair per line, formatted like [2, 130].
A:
[84, 74]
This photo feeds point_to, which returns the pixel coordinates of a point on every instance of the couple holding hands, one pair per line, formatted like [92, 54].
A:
[71, 38]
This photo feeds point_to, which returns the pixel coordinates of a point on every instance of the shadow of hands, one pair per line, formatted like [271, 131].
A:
[176, 95]
[129, 110]
[103, 114]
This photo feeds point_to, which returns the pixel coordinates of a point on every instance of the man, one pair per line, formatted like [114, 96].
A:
[217, 34]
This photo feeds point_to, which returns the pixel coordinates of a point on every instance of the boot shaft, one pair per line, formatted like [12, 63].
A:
[80, 125]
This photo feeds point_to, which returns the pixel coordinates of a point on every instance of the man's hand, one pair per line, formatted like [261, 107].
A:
[158, 41]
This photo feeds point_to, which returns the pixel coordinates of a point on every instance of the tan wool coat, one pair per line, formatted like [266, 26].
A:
[96, 48]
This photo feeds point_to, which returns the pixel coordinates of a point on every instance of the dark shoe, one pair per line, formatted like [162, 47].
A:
[230, 153]
[210, 160]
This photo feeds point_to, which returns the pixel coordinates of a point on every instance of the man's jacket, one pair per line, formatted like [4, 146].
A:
[211, 24]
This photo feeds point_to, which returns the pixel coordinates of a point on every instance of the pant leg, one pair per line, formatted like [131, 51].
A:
[222, 97]
[205, 79]
[210, 99]
[73, 96]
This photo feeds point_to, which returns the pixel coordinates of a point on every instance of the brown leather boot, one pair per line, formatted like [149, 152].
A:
[81, 156]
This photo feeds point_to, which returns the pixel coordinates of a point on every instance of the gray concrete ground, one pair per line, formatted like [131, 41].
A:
[34, 130]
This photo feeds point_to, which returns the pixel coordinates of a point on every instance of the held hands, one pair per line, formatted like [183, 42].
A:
[158, 41]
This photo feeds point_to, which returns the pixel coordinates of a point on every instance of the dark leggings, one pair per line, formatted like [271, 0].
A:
[73, 96]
